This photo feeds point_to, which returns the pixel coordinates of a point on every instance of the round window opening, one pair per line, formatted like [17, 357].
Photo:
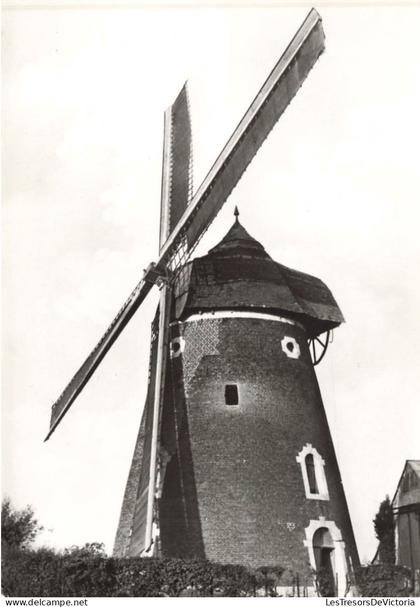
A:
[290, 347]
[177, 346]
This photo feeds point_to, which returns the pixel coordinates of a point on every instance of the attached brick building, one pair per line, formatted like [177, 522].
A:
[248, 469]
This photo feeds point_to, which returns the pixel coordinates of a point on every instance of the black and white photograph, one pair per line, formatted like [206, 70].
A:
[211, 295]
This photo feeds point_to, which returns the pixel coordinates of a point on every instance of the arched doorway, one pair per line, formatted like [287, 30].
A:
[323, 547]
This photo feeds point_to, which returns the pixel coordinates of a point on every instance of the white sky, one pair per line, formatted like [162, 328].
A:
[334, 192]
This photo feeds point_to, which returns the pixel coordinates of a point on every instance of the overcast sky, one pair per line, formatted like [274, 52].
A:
[333, 192]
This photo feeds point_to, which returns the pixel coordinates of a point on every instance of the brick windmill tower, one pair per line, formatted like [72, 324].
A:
[234, 460]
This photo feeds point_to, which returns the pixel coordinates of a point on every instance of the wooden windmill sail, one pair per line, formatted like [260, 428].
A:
[184, 219]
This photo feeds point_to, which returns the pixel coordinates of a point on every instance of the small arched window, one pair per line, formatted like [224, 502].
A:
[310, 471]
[313, 473]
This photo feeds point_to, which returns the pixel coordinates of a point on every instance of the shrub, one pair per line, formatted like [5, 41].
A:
[176, 577]
[30, 573]
[384, 580]
[385, 532]
[87, 571]
[18, 527]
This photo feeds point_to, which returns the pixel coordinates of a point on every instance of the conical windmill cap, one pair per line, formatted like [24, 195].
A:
[239, 242]
[238, 274]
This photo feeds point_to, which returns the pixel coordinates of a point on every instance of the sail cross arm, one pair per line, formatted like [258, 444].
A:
[176, 187]
[80, 379]
[263, 113]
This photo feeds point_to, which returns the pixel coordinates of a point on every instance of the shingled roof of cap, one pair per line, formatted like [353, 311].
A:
[238, 242]
[239, 274]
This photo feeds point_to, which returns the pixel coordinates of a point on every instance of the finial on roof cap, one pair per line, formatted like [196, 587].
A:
[236, 213]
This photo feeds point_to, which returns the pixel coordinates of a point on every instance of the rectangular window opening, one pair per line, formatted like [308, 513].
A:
[231, 394]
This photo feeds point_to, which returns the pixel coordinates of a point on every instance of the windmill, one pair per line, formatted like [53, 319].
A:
[184, 219]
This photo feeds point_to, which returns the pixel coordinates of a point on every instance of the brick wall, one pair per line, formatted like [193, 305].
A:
[233, 491]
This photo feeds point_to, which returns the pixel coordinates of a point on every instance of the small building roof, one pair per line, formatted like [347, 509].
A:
[408, 488]
[407, 492]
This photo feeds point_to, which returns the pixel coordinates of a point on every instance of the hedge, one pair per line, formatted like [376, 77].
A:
[88, 572]
[384, 580]
[81, 573]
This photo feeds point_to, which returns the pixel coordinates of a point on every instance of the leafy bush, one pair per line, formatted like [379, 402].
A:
[384, 580]
[385, 532]
[18, 527]
[176, 577]
[268, 578]
[88, 572]
[30, 573]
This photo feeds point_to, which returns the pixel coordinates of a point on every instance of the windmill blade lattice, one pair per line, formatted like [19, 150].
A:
[177, 165]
